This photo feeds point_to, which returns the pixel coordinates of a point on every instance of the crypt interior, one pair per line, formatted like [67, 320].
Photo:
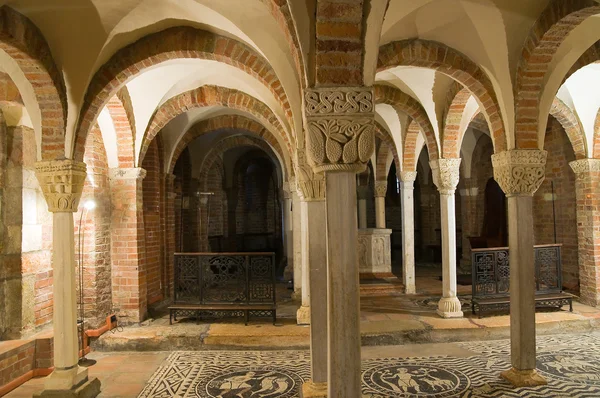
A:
[299, 198]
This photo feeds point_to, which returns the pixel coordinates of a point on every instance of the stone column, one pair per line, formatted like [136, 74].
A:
[445, 177]
[407, 205]
[588, 228]
[128, 248]
[288, 231]
[362, 194]
[312, 190]
[340, 142]
[468, 197]
[62, 183]
[203, 218]
[520, 173]
[303, 313]
[297, 244]
[380, 192]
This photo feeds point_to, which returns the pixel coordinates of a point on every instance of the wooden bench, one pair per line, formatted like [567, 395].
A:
[496, 304]
[196, 310]
[491, 279]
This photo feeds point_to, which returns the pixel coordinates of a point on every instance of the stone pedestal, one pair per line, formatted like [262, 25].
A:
[407, 204]
[445, 176]
[520, 173]
[61, 182]
[374, 251]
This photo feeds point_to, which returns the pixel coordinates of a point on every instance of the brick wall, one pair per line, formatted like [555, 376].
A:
[152, 222]
[560, 176]
[25, 238]
[95, 235]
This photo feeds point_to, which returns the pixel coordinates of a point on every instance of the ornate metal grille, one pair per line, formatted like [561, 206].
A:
[225, 278]
[491, 271]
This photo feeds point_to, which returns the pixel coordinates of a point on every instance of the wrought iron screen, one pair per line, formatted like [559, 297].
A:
[224, 278]
[491, 270]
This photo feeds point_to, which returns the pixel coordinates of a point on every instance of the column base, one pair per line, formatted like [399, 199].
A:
[303, 315]
[311, 389]
[523, 378]
[450, 307]
[410, 290]
[89, 389]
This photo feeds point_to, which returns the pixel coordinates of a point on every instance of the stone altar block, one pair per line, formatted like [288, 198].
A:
[374, 251]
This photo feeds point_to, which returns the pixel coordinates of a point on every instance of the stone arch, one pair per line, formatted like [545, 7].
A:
[121, 111]
[596, 149]
[570, 122]
[452, 136]
[169, 44]
[443, 59]
[386, 149]
[21, 40]
[478, 122]
[403, 102]
[210, 96]
[234, 122]
[227, 144]
[545, 38]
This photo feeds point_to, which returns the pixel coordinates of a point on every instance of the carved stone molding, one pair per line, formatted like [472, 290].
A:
[519, 172]
[583, 167]
[61, 182]
[311, 185]
[446, 173]
[380, 189]
[408, 176]
[133, 173]
[340, 124]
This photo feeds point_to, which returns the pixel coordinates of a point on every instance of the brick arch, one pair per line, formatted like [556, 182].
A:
[169, 44]
[451, 137]
[410, 156]
[570, 122]
[403, 102]
[121, 111]
[596, 151]
[234, 122]
[386, 149]
[223, 146]
[546, 36]
[282, 14]
[9, 92]
[443, 59]
[478, 122]
[26, 45]
[210, 96]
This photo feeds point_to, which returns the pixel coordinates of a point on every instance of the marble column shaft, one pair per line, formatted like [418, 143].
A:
[445, 177]
[380, 192]
[408, 230]
[520, 173]
[362, 193]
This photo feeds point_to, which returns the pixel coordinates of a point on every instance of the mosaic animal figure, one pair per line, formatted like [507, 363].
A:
[272, 386]
[433, 381]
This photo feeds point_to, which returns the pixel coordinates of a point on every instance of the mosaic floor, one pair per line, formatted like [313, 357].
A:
[571, 364]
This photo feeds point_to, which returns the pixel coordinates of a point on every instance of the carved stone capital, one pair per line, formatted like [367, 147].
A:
[132, 173]
[341, 125]
[61, 182]
[446, 173]
[583, 167]
[408, 176]
[519, 172]
[311, 185]
[380, 189]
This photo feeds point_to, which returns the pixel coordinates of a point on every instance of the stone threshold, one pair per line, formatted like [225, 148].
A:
[291, 336]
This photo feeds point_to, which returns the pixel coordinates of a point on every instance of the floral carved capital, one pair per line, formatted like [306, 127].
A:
[380, 189]
[583, 167]
[311, 185]
[446, 173]
[132, 173]
[61, 182]
[519, 172]
[408, 176]
[341, 125]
